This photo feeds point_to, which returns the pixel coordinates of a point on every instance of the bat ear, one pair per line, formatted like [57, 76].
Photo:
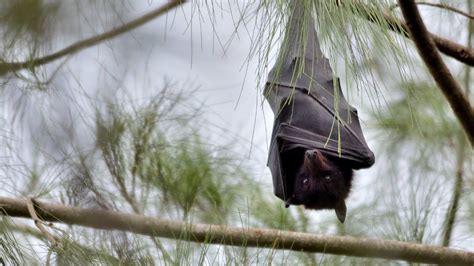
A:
[341, 211]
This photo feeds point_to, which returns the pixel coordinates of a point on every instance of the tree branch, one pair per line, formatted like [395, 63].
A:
[234, 236]
[441, 74]
[447, 47]
[442, 6]
[7, 67]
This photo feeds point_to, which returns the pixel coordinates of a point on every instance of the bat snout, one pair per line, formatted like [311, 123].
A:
[311, 154]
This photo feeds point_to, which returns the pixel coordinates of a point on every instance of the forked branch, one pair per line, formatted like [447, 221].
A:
[235, 236]
[457, 51]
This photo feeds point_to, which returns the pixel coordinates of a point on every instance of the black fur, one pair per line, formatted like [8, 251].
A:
[320, 182]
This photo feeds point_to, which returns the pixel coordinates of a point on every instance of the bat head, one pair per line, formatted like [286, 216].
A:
[321, 183]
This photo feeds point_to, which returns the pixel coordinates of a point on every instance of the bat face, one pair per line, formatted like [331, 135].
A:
[321, 183]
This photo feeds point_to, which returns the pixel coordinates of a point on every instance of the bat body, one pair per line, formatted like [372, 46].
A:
[316, 133]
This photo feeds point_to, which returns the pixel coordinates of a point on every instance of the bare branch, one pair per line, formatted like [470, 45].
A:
[440, 72]
[235, 236]
[442, 6]
[7, 67]
[446, 46]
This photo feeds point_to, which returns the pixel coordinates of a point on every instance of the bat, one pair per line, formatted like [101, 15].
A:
[316, 133]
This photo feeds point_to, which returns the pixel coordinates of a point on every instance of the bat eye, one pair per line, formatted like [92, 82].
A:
[305, 181]
[327, 177]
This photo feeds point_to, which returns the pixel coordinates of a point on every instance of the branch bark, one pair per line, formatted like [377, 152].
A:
[461, 53]
[440, 72]
[8, 67]
[234, 236]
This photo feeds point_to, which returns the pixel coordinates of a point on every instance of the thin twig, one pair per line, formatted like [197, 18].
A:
[39, 223]
[7, 67]
[442, 6]
[444, 79]
[48, 257]
[241, 237]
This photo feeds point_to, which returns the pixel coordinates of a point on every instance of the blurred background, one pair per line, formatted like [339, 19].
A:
[168, 120]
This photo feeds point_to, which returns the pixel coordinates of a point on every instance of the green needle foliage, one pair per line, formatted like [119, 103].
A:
[421, 151]
[420, 116]
[11, 252]
[26, 19]
[162, 157]
[151, 159]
